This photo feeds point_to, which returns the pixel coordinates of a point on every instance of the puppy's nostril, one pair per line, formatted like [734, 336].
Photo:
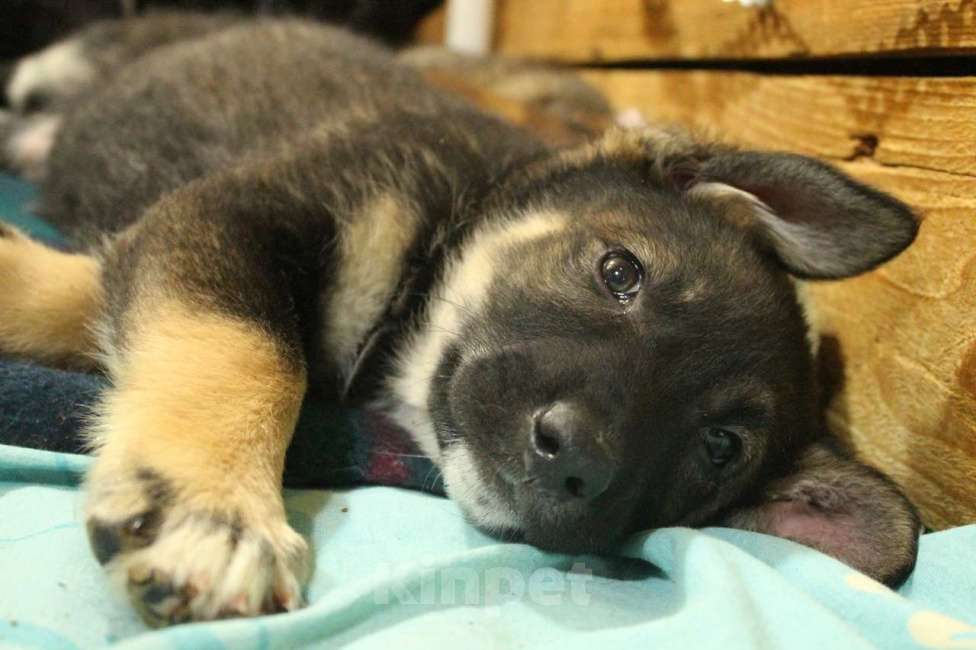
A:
[575, 485]
[564, 458]
[546, 445]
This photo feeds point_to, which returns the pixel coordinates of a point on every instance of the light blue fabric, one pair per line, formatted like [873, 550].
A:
[399, 570]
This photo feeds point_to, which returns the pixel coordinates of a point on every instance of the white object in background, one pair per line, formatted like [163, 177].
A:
[630, 118]
[752, 3]
[469, 25]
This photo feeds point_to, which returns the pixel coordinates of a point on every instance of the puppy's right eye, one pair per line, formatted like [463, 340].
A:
[622, 274]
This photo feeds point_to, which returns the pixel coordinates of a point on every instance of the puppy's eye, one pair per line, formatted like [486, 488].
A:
[721, 445]
[622, 274]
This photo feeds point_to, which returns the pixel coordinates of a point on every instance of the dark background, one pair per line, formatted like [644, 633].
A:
[28, 25]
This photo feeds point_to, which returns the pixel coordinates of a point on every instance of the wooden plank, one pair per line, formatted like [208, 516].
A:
[430, 30]
[902, 339]
[920, 122]
[610, 30]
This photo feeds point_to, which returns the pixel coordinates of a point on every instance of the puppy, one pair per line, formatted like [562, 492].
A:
[587, 342]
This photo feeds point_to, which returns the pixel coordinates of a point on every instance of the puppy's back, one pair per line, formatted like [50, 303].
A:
[184, 110]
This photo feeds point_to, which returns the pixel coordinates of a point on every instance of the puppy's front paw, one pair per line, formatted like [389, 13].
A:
[182, 559]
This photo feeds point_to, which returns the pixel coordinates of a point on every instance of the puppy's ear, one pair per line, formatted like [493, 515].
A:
[819, 222]
[840, 507]
[816, 220]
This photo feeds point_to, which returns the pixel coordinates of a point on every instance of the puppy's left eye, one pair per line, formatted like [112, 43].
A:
[721, 445]
[622, 274]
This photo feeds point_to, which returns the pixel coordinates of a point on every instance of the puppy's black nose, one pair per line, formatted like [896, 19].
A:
[565, 456]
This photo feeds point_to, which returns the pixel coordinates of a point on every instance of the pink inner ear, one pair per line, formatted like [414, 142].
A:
[829, 532]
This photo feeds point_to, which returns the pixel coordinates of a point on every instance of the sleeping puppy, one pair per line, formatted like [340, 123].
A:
[588, 342]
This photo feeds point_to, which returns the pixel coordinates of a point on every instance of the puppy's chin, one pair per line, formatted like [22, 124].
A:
[478, 495]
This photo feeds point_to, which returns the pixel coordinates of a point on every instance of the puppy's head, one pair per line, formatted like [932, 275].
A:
[625, 350]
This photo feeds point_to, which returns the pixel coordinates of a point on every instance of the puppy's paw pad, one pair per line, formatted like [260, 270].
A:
[110, 539]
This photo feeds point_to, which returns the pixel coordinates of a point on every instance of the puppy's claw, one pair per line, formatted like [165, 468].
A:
[287, 597]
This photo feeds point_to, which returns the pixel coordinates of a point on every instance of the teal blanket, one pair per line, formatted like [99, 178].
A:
[401, 569]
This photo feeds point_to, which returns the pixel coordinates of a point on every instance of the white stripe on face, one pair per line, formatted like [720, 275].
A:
[460, 295]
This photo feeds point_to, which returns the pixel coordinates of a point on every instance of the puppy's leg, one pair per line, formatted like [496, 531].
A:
[184, 499]
[48, 301]
[185, 505]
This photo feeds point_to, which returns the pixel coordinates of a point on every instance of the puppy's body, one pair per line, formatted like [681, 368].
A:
[352, 150]
[587, 342]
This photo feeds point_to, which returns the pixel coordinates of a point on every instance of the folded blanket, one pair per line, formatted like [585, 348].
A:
[44, 408]
[401, 569]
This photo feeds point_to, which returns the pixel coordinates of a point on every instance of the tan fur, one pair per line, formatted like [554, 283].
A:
[204, 398]
[553, 128]
[208, 404]
[48, 301]
[372, 250]
[555, 105]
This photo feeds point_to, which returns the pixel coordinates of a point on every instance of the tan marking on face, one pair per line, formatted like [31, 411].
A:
[206, 400]
[372, 248]
[459, 297]
[48, 301]
[696, 291]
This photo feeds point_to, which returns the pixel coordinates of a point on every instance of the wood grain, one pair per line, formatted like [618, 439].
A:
[609, 30]
[900, 341]
[903, 341]
[921, 122]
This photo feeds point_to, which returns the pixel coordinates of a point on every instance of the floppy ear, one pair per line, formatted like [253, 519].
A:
[816, 220]
[819, 222]
[840, 507]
